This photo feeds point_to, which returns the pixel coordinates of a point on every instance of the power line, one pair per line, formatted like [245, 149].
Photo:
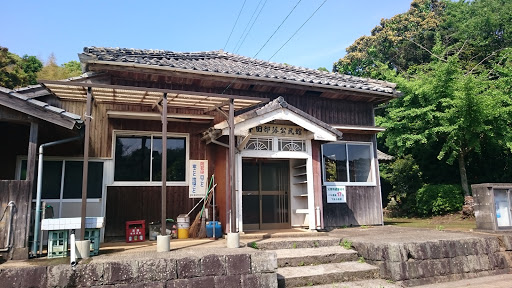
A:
[232, 29]
[276, 29]
[298, 29]
[231, 83]
[252, 25]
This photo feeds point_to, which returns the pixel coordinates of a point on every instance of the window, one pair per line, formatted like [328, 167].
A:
[345, 163]
[291, 145]
[138, 158]
[258, 143]
[62, 179]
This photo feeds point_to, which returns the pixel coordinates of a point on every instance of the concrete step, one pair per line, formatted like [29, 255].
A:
[325, 274]
[294, 243]
[373, 283]
[293, 233]
[313, 256]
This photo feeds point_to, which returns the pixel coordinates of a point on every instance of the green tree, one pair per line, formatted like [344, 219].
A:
[322, 69]
[405, 177]
[52, 71]
[396, 41]
[446, 108]
[17, 71]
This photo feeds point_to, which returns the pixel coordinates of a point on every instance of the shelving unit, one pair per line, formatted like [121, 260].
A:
[299, 192]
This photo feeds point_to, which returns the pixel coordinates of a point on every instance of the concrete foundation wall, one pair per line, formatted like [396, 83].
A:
[237, 270]
[437, 261]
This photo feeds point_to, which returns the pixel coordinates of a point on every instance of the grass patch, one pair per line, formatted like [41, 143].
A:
[346, 244]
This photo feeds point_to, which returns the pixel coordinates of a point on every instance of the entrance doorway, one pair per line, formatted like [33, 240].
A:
[265, 194]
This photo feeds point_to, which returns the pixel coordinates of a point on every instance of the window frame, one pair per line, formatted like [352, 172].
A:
[348, 183]
[126, 133]
[63, 175]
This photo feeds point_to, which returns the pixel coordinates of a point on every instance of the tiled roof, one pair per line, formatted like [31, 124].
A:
[235, 65]
[36, 104]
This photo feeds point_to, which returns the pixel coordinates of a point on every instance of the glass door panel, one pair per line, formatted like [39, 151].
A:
[502, 204]
[265, 194]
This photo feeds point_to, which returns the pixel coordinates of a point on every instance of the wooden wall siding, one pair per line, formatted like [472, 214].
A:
[358, 137]
[222, 180]
[333, 111]
[362, 208]
[102, 127]
[142, 203]
[317, 175]
[19, 192]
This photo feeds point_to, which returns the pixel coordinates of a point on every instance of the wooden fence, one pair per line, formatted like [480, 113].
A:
[20, 193]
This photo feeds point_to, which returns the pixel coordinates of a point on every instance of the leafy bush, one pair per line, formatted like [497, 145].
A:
[439, 199]
[405, 177]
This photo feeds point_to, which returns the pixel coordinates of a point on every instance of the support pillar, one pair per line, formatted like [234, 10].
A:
[233, 238]
[87, 121]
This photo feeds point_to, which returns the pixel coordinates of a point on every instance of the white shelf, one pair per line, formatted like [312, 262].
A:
[301, 182]
[302, 211]
[300, 174]
[300, 166]
[301, 195]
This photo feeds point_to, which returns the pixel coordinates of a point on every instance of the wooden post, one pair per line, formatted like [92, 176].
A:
[164, 163]
[31, 168]
[32, 151]
[231, 164]
[87, 118]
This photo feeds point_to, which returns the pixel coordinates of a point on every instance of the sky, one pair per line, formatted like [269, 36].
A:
[63, 28]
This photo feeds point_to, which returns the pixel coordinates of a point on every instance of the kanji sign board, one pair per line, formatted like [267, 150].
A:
[198, 178]
[336, 194]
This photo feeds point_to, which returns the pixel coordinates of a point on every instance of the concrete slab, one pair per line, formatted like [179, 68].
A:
[309, 256]
[387, 234]
[281, 233]
[294, 243]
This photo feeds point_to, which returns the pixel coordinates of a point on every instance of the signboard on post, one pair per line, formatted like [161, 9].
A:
[198, 178]
[336, 194]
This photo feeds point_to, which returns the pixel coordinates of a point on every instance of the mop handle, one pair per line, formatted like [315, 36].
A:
[201, 200]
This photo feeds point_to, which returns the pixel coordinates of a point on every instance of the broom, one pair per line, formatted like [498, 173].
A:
[202, 228]
[193, 231]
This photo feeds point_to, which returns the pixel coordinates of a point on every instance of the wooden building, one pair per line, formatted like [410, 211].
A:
[306, 152]
[25, 123]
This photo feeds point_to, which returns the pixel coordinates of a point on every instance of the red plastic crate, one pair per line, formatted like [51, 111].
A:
[135, 231]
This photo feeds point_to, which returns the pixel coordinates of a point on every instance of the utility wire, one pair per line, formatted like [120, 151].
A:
[277, 29]
[231, 83]
[232, 29]
[252, 25]
[298, 29]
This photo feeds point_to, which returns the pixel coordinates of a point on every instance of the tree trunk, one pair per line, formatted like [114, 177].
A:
[463, 176]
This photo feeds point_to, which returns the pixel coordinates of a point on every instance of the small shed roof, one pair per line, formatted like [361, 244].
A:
[277, 109]
[38, 109]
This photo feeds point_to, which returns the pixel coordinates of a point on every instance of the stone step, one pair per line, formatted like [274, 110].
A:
[325, 274]
[294, 243]
[313, 256]
[373, 283]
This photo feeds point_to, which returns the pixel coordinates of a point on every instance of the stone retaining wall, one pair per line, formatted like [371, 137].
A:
[237, 270]
[436, 261]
